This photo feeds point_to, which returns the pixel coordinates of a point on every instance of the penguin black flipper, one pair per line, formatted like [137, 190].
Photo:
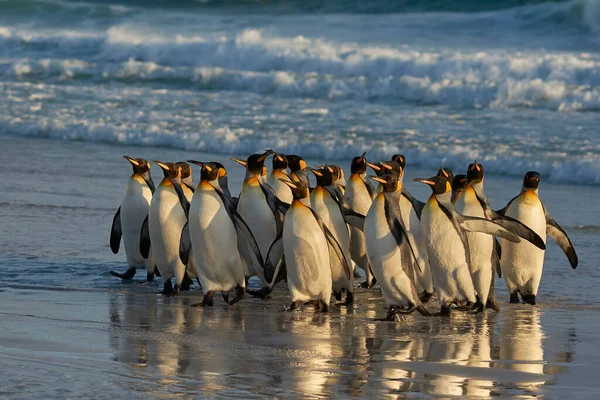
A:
[509, 223]
[559, 235]
[241, 227]
[370, 188]
[333, 243]
[185, 204]
[503, 210]
[145, 239]
[116, 232]
[274, 204]
[496, 254]
[274, 259]
[392, 211]
[129, 274]
[418, 205]
[475, 224]
[351, 217]
[191, 187]
[185, 244]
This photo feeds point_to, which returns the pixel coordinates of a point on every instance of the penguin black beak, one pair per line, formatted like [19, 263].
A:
[163, 166]
[425, 181]
[374, 167]
[237, 160]
[198, 163]
[376, 178]
[289, 183]
[316, 172]
[266, 154]
[132, 161]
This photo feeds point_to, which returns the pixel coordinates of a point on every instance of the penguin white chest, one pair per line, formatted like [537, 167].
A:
[306, 256]
[253, 208]
[214, 241]
[385, 257]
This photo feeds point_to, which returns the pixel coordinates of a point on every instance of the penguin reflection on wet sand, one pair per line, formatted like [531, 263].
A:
[168, 215]
[522, 263]
[448, 248]
[307, 243]
[390, 251]
[130, 217]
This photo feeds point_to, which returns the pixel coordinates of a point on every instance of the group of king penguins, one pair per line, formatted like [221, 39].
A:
[280, 228]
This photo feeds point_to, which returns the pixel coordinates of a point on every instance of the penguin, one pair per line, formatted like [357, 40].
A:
[259, 207]
[458, 186]
[297, 167]
[483, 258]
[359, 196]
[129, 218]
[307, 244]
[447, 172]
[324, 201]
[411, 214]
[390, 250]
[280, 164]
[168, 215]
[339, 181]
[187, 185]
[447, 245]
[522, 263]
[212, 235]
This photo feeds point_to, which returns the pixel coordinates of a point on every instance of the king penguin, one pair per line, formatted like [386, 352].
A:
[359, 196]
[459, 182]
[298, 170]
[129, 218]
[522, 263]
[258, 206]
[391, 251]
[323, 201]
[280, 164]
[484, 259]
[187, 185]
[213, 237]
[447, 245]
[307, 243]
[167, 217]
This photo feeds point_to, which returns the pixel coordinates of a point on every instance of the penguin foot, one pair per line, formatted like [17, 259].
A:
[337, 295]
[317, 305]
[186, 283]
[349, 298]
[207, 301]
[167, 288]
[175, 291]
[528, 299]
[474, 308]
[493, 304]
[391, 315]
[324, 307]
[425, 297]
[514, 298]
[294, 306]
[367, 285]
[129, 274]
[263, 293]
[239, 294]
[149, 276]
[444, 311]
[225, 296]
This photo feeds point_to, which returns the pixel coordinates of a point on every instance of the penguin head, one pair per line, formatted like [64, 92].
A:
[377, 168]
[359, 165]
[447, 172]
[338, 174]
[299, 189]
[389, 182]
[279, 161]
[324, 175]
[475, 173]
[210, 172]
[459, 182]
[255, 163]
[400, 159]
[140, 166]
[170, 170]
[531, 180]
[186, 171]
[295, 162]
[392, 168]
[439, 184]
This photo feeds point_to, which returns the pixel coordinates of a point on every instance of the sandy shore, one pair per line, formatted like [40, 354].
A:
[134, 343]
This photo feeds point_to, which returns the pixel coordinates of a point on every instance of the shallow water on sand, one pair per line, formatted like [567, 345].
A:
[67, 328]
